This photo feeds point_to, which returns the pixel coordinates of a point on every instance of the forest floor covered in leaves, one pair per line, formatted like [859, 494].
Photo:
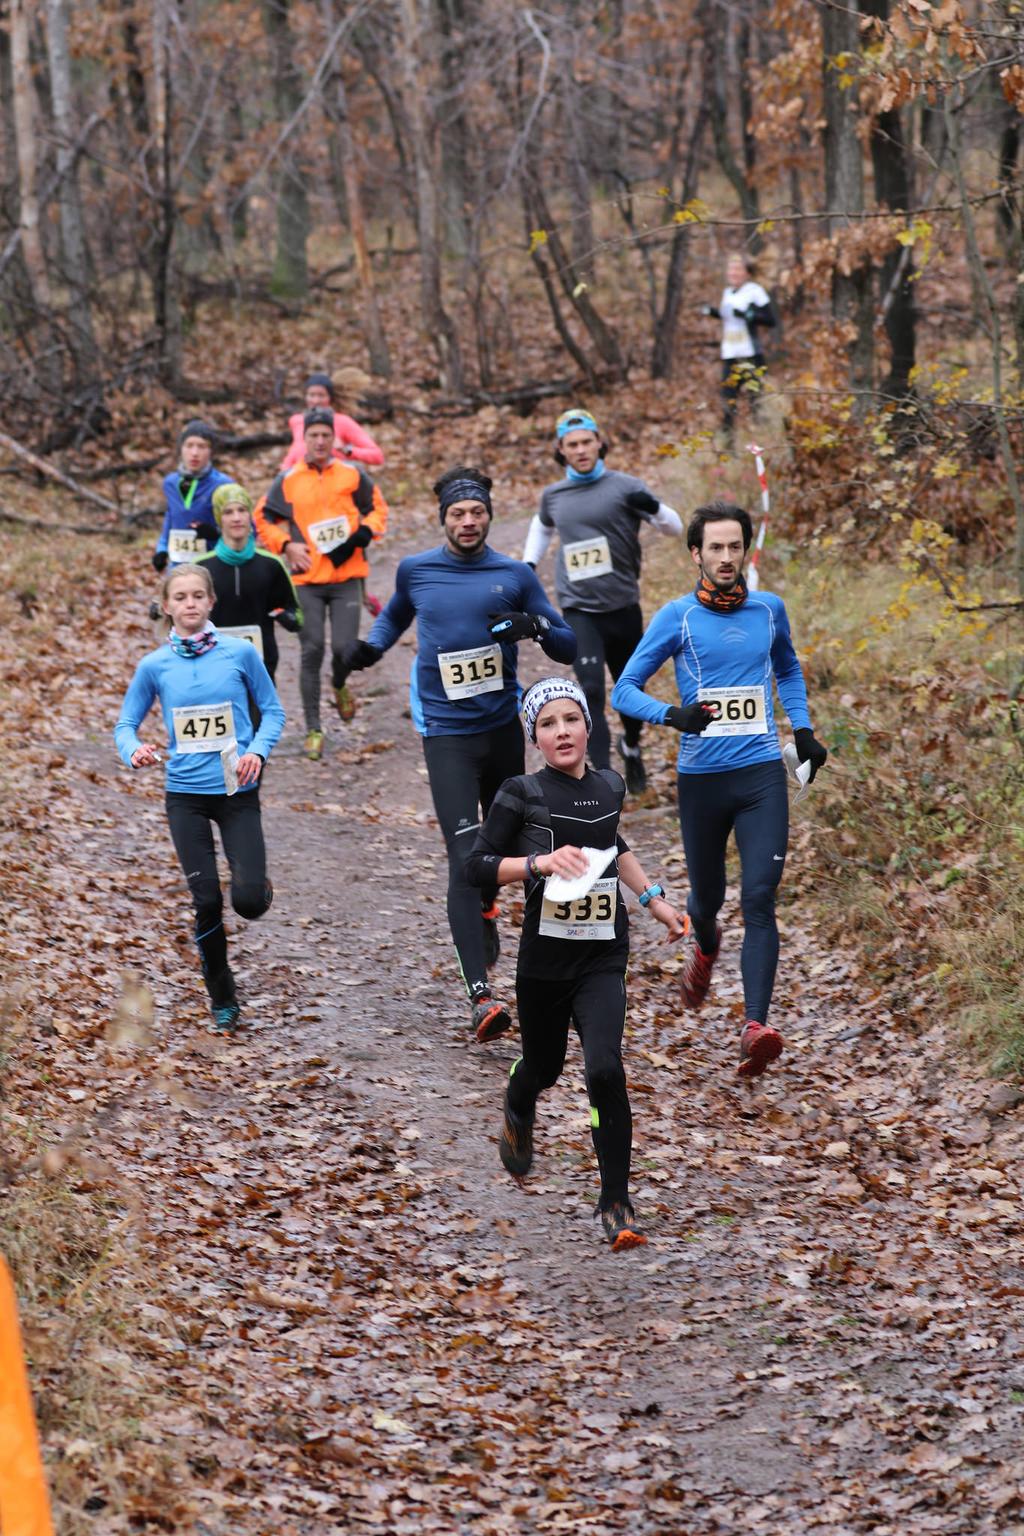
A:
[304, 1293]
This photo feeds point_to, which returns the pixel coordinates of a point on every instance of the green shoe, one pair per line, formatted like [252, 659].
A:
[314, 745]
[345, 701]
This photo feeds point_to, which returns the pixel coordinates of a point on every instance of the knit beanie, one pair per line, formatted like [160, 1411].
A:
[323, 381]
[198, 428]
[225, 496]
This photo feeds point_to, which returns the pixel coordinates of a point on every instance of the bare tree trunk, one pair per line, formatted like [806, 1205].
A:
[844, 196]
[76, 255]
[166, 310]
[436, 319]
[377, 345]
[663, 352]
[715, 21]
[453, 16]
[21, 16]
[1007, 211]
[290, 276]
[994, 328]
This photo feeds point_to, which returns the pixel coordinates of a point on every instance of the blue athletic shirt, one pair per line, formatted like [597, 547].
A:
[741, 649]
[450, 598]
[228, 674]
[199, 509]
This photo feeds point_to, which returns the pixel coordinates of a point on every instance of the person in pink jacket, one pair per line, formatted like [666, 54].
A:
[350, 441]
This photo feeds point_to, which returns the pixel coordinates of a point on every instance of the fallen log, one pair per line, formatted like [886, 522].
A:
[46, 468]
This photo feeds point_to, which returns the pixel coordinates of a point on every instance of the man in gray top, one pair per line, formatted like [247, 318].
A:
[597, 513]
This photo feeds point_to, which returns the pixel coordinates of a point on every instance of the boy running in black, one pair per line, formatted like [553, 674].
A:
[252, 586]
[572, 954]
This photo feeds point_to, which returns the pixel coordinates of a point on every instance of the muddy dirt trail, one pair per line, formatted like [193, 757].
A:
[364, 1324]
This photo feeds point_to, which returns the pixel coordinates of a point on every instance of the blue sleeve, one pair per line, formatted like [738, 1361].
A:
[165, 531]
[270, 707]
[661, 641]
[138, 702]
[398, 614]
[560, 641]
[789, 678]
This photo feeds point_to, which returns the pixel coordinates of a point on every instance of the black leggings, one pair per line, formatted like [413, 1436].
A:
[604, 639]
[754, 802]
[191, 819]
[465, 774]
[596, 1005]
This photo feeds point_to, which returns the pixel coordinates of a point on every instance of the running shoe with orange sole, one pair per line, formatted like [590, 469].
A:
[515, 1144]
[490, 1018]
[620, 1228]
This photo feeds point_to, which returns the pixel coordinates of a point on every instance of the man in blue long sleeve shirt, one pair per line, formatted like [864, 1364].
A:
[727, 644]
[471, 607]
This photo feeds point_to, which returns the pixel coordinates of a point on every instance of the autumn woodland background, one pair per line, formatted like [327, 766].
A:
[476, 215]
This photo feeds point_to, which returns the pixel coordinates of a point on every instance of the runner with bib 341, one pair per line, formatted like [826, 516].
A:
[727, 644]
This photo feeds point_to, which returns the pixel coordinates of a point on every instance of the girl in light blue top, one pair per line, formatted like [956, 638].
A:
[203, 682]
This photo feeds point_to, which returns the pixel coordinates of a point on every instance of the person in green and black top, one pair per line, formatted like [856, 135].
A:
[572, 953]
[252, 586]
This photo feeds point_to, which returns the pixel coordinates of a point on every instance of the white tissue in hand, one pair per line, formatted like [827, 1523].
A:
[560, 889]
[800, 772]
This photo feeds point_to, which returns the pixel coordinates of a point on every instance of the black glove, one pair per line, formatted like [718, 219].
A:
[208, 531]
[357, 540]
[809, 749]
[711, 310]
[513, 627]
[288, 619]
[361, 655]
[642, 501]
[691, 719]
[160, 559]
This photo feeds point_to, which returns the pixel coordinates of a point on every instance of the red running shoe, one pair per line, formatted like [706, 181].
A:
[759, 1045]
[696, 976]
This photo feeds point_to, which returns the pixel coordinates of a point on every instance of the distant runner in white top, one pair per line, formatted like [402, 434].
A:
[744, 307]
[597, 513]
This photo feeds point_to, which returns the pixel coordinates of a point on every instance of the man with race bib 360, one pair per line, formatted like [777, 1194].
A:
[471, 606]
[727, 644]
[597, 513]
[321, 516]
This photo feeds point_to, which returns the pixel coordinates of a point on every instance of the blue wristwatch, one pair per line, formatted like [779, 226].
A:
[646, 897]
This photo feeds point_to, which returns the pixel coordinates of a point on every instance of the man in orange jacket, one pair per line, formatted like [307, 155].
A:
[320, 516]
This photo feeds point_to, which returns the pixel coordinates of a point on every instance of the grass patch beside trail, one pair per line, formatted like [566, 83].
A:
[917, 825]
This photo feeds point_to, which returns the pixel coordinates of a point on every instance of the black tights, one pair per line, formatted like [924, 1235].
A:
[754, 804]
[596, 1005]
[191, 819]
[465, 774]
[604, 639]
